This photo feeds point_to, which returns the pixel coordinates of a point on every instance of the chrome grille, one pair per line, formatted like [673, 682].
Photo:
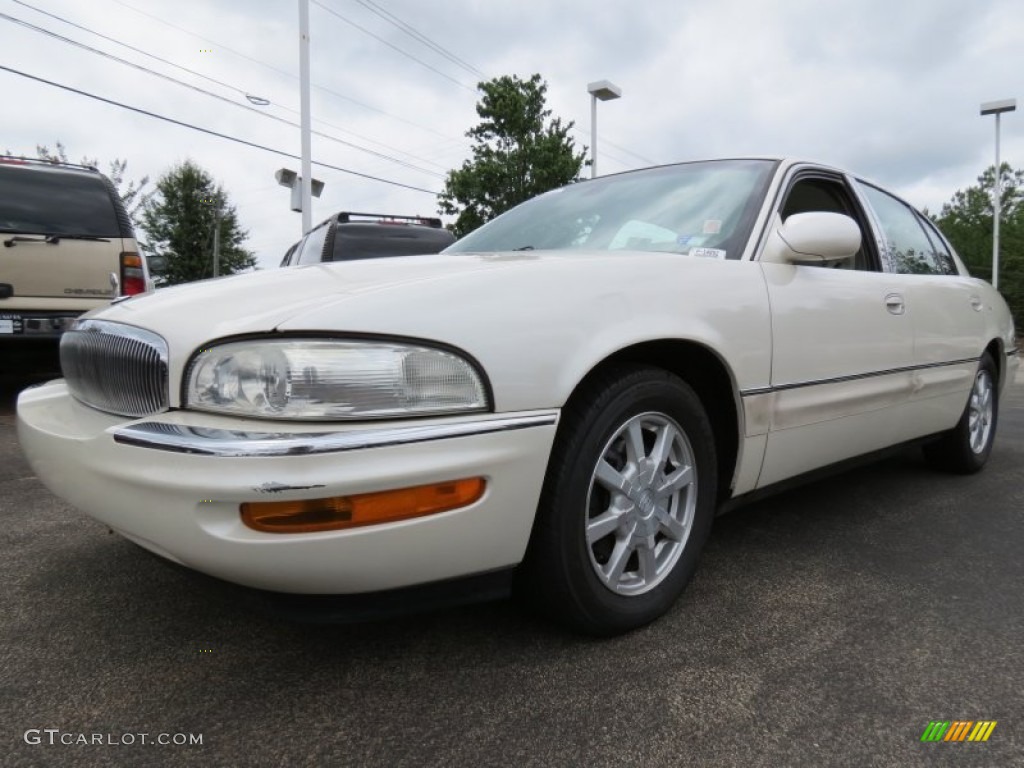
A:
[115, 368]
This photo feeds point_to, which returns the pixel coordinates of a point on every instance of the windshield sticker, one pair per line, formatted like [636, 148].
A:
[712, 226]
[691, 240]
[708, 253]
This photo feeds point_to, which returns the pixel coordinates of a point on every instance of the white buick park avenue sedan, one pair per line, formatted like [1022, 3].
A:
[557, 404]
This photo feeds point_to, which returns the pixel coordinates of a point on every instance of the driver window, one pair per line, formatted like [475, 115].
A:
[809, 195]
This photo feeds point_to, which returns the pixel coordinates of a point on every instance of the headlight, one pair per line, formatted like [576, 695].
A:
[324, 380]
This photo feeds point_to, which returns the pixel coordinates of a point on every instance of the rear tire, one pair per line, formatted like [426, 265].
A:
[965, 448]
[627, 503]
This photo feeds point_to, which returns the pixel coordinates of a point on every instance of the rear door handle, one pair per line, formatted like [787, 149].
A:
[894, 303]
[976, 303]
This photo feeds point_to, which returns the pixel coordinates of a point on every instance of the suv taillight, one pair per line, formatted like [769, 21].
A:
[133, 276]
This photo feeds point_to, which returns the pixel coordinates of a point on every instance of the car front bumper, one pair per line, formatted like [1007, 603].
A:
[173, 483]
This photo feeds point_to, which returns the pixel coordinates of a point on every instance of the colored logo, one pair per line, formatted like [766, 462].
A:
[958, 730]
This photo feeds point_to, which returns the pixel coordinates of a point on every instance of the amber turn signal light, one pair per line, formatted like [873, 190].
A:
[339, 512]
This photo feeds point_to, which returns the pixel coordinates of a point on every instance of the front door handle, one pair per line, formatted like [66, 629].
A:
[894, 303]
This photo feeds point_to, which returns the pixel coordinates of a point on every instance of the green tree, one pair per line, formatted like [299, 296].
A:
[130, 192]
[967, 221]
[518, 153]
[181, 221]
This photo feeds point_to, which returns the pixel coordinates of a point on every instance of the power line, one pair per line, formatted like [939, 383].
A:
[259, 112]
[335, 94]
[342, 96]
[210, 132]
[133, 48]
[366, 3]
[629, 152]
[610, 143]
[418, 36]
[242, 91]
[392, 46]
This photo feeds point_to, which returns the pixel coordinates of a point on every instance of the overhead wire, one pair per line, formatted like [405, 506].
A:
[415, 34]
[291, 75]
[132, 47]
[392, 46]
[229, 86]
[205, 92]
[211, 132]
[365, 3]
[586, 134]
[336, 94]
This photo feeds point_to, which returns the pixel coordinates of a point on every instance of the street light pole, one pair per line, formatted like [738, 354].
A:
[307, 162]
[997, 108]
[605, 91]
[216, 237]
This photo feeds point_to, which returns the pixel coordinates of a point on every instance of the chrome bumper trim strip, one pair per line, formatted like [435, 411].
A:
[231, 443]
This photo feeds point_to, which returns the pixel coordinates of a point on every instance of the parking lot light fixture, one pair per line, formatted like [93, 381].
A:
[997, 108]
[605, 91]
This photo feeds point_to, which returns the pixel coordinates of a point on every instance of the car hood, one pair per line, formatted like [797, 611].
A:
[264, 301]
[260, 301]
[492, 305]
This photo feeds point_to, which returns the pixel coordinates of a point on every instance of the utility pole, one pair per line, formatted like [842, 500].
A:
[216, 236]
[307, 165]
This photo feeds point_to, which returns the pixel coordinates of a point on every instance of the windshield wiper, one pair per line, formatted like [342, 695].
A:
[58, 238]
[524, 248]
[52, 239]
[9, 242]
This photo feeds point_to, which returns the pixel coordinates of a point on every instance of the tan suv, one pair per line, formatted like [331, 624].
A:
[68, 247]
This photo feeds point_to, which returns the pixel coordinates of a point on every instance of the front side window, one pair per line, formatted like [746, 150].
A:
[707, 205]
[909, 249]
[817, 194]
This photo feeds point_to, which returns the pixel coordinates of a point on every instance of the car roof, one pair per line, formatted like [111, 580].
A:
[785, 163]
[46, 166]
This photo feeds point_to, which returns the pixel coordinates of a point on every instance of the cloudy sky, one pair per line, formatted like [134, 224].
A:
[889, 89]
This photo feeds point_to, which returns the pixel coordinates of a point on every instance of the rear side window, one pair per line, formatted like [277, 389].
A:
[311, 249]
[34, 201]
[286, 261]
[370, 240]
[910, 250]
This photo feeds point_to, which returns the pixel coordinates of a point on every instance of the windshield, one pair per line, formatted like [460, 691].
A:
[705, 208]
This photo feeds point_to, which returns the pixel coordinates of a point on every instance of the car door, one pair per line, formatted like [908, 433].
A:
[842, 344]
[945, 307]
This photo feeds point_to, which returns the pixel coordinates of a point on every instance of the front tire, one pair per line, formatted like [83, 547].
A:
[627, 503]
[965, 448]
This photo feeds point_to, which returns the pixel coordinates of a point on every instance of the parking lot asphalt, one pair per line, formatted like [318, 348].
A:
[826, 626]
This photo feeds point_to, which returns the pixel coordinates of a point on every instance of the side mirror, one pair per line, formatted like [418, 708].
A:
[815, 237]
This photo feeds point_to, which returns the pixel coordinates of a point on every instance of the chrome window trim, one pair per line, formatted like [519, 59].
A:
[180, 438]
